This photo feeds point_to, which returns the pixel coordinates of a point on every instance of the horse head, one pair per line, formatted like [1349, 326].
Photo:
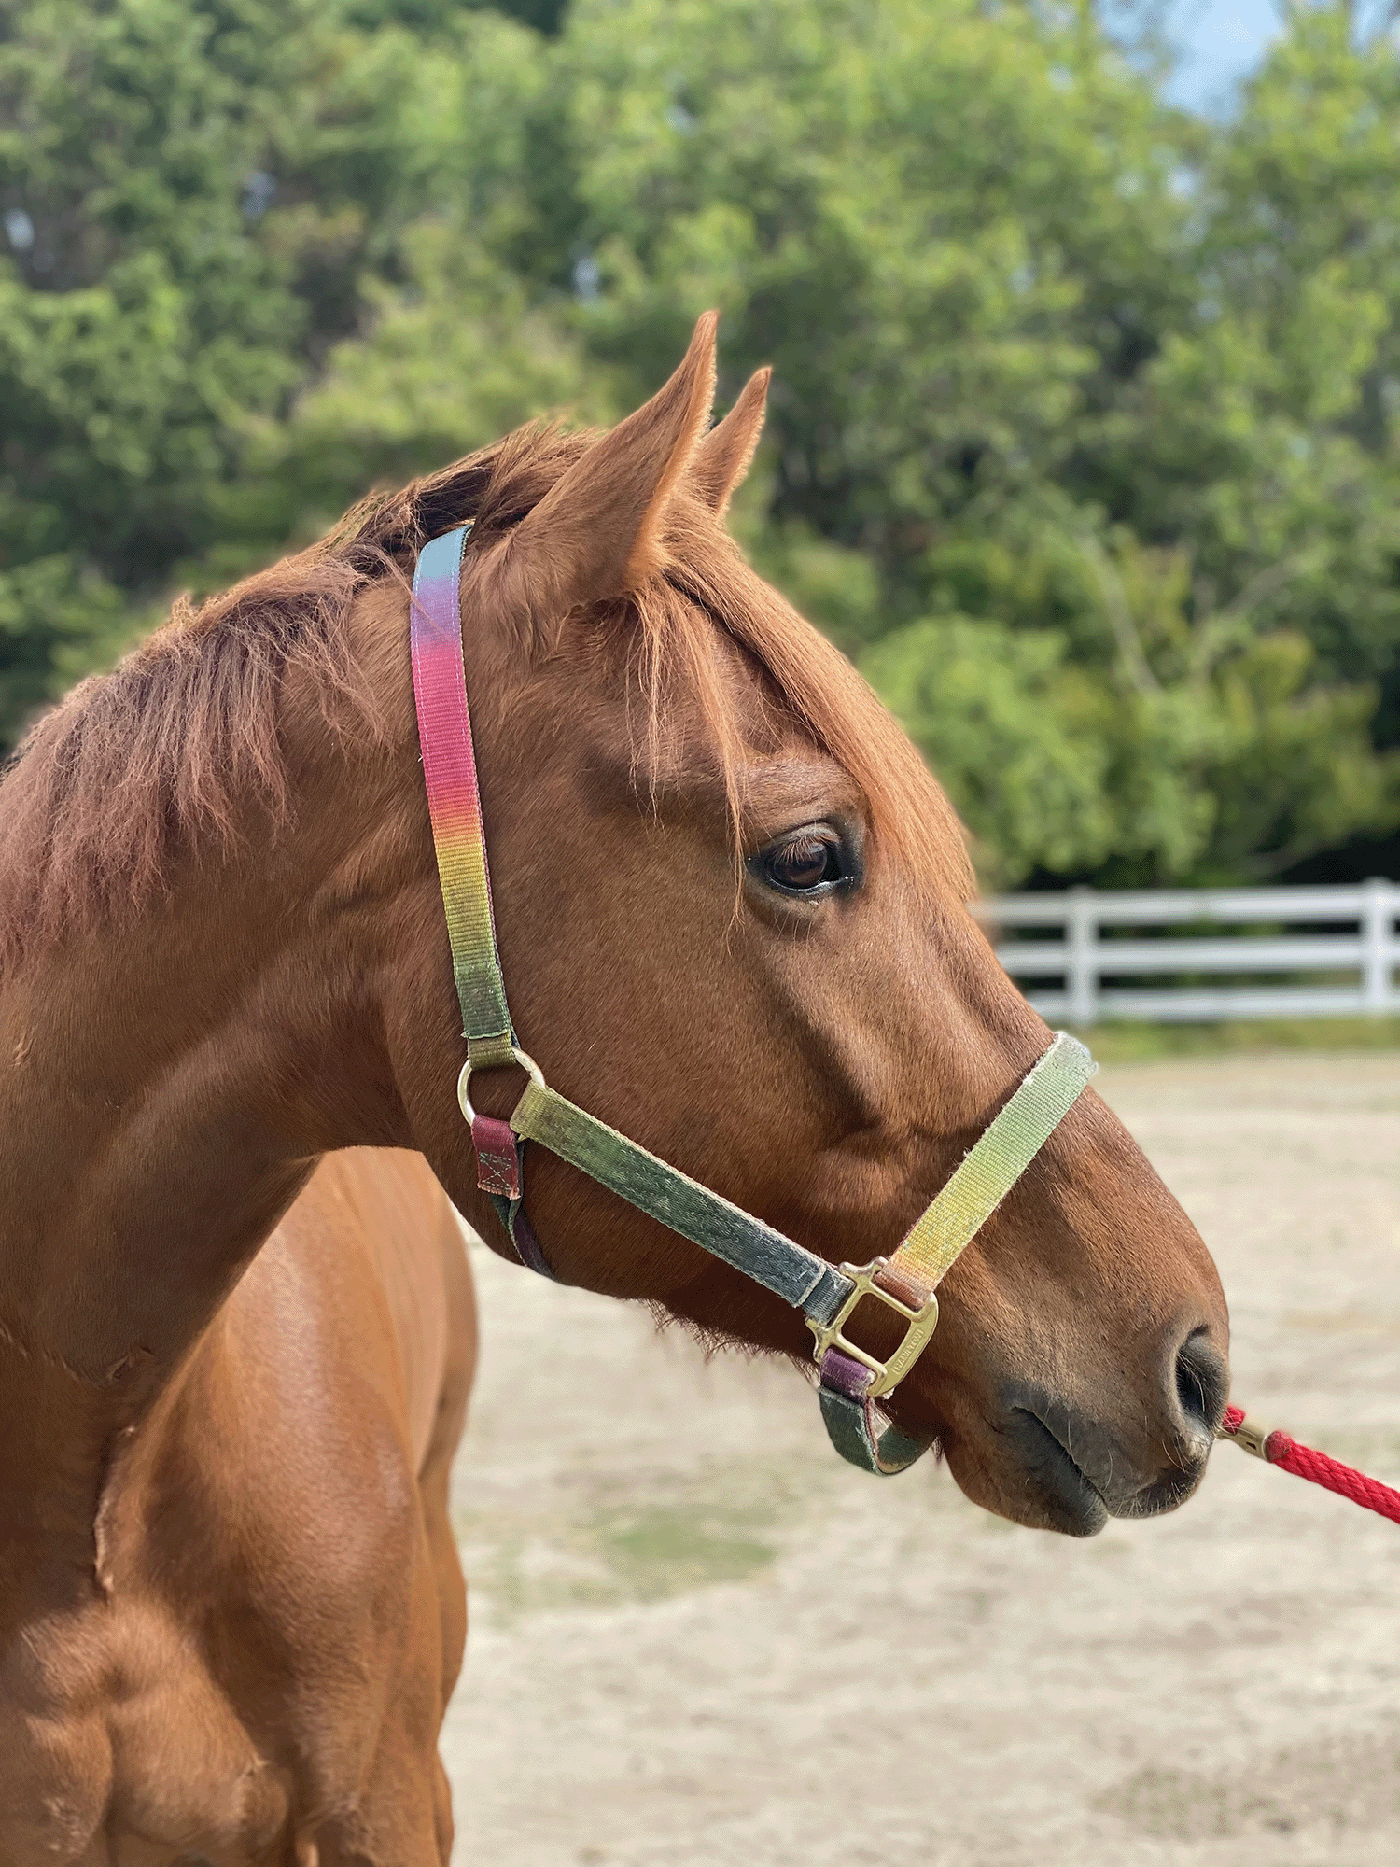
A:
[732, 909]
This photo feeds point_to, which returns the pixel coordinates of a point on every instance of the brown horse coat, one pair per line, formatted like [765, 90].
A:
[256, 1665]
[228, 1602]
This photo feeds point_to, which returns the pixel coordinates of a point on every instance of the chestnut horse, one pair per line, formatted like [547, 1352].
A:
[732, 910]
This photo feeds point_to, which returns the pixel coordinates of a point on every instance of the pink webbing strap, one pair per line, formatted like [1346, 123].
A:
[1279, 1448]
[454, 807]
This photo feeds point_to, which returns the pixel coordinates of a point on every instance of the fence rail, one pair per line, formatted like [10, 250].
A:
[1284, 952]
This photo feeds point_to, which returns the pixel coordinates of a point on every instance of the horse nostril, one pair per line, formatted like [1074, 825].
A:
[1202, 1381]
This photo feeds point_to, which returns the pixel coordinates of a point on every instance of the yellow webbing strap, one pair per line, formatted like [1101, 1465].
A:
[996, 1161]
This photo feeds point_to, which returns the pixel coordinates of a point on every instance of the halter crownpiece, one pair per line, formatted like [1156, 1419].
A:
[850, 1380]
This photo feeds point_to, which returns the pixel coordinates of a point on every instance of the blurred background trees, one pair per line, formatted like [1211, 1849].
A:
[1083, 438]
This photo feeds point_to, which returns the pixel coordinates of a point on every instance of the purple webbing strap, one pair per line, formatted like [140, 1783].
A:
[844, 1373]
[528, 1247]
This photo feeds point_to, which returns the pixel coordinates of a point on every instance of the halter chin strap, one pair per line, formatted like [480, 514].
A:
[850, 1379]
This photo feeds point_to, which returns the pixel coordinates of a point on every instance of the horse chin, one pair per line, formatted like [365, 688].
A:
[1049, 1467]
[1031, 1479]
[1062, 1494]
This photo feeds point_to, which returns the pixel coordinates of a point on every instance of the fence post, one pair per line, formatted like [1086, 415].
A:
[1081, 954]
[1377, 959]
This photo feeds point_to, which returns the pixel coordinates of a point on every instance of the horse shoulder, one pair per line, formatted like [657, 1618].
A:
[271, 1572]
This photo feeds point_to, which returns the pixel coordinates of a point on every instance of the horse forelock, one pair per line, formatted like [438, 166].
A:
[161, 753]
[709, 597]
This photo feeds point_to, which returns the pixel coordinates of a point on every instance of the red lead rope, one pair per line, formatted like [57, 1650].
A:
[1277, 1448]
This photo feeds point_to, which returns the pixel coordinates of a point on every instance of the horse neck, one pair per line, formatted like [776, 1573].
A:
[167, 1083]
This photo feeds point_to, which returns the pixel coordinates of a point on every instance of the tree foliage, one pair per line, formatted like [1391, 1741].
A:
[1083, 436]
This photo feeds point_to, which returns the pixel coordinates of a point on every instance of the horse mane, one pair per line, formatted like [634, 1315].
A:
[163, 752]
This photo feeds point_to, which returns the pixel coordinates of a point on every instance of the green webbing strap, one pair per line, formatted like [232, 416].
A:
[673, 1199]
[864, 1438]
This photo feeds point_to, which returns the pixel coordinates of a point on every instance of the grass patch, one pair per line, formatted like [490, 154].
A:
[665, 1552]
[1124, 1041]
[634, 1550]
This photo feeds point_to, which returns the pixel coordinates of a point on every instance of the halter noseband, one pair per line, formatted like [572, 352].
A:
[850, 1380]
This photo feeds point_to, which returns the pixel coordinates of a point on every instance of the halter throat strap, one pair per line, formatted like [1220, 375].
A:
[850, 1379]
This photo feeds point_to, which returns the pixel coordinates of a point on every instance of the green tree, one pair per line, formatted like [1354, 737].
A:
[1033, 333]
[1082, 436]
[196, 195]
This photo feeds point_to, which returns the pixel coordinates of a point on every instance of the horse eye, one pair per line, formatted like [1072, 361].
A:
[803, 864]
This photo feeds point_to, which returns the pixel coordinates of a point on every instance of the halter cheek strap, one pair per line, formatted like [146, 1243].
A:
[850, 1380]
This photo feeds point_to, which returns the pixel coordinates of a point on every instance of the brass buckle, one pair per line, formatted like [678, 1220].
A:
[922, 1323]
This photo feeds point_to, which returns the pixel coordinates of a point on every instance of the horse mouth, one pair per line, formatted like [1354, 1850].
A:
[1078, 1494]
[1068, 1499]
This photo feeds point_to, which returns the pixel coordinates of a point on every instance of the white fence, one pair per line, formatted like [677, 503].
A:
[1202, 953]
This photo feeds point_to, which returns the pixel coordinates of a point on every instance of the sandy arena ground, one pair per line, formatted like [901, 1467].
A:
[699, 1639]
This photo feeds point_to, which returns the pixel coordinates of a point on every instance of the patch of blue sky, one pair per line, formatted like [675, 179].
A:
[1217, 45]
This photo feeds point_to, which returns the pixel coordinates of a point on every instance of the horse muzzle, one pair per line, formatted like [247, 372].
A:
[1082, 1469]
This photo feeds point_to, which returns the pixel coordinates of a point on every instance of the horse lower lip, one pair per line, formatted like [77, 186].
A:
[1076, 1503]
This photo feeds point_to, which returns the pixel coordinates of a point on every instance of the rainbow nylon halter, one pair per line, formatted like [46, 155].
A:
[850, 1380]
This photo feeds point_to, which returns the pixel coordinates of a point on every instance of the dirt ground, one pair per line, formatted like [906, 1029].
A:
[698, 1638]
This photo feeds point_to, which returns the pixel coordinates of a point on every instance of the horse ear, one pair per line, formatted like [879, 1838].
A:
[722, 458]
[598, 531]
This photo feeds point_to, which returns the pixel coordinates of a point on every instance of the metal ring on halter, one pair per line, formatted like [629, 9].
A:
[517, 1055]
